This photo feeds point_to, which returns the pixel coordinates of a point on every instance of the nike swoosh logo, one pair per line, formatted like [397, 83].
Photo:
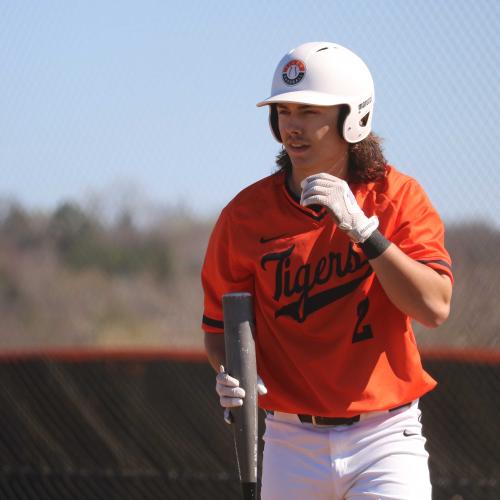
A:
[408, 434]
[267, 240]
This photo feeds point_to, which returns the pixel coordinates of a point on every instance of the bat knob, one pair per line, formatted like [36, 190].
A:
[249, 491]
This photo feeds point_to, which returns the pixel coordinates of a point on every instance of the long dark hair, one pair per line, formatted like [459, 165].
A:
[366, 160]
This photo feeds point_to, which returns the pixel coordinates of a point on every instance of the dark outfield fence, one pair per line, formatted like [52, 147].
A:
[147, 426]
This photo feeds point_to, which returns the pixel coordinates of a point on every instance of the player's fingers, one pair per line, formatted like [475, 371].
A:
[230, 392]
[230, 402]
[224, 378]
[261, 388]
[313, 190]
[323, 176]
[315, 200]
[321, 183]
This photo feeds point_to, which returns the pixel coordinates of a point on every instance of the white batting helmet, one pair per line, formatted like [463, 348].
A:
[325, 74]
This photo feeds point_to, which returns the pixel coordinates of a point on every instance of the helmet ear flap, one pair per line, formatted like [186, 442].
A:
[343, 113]
[273, 122]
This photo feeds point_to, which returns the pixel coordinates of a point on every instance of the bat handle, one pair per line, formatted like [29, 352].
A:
[241, 364]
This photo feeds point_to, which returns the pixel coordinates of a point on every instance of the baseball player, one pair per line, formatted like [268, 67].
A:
[340, 251]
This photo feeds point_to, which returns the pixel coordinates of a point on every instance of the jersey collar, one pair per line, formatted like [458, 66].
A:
[316, 212]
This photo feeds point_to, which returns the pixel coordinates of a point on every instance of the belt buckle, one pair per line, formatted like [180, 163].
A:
[313, 420]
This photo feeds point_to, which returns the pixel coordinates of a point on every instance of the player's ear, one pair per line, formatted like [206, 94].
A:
[273, 122]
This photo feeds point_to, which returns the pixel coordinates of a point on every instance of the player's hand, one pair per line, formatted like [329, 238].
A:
[231, 394]
[335, 194]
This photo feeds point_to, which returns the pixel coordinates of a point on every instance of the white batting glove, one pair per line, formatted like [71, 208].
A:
[231, 394]
[335, 194]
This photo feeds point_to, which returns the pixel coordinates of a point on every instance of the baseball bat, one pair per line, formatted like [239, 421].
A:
[240, 361]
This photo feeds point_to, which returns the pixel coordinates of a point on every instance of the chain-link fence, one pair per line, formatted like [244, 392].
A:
[149, 427]
[121, 429]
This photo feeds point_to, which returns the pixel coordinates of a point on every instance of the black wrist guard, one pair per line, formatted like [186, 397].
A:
[375, 245]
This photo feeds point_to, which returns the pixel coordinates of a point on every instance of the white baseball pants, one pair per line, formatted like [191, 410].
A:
[380, 457]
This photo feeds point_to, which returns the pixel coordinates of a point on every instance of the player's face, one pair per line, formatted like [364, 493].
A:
[310, 135]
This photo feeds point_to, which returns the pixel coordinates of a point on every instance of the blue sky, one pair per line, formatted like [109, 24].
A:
[156, 100]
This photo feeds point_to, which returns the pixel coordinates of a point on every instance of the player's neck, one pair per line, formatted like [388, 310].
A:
[339, 168]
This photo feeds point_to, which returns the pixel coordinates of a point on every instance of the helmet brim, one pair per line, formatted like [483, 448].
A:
[306, 97]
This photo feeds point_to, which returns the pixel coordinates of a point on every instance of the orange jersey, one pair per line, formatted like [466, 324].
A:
[328, 339]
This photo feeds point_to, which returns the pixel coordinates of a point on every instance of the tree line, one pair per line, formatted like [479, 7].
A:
[82, 241]
[71, 275]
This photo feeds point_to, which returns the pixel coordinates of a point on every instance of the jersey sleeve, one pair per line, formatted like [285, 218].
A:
[419, 230]
[223, 272]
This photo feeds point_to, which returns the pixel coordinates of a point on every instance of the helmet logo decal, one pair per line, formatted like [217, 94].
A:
[364, 104]
[293, 72]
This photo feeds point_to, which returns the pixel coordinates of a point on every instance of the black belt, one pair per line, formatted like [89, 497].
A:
[311, 419]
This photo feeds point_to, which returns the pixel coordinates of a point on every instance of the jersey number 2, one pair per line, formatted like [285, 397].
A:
[365, 332]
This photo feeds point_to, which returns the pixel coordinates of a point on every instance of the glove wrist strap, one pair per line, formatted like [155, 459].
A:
[375, 245]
